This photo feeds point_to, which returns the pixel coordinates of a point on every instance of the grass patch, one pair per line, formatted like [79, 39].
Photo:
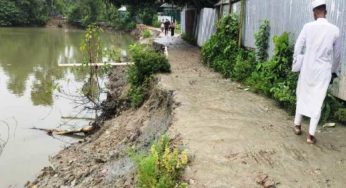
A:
[146, 34]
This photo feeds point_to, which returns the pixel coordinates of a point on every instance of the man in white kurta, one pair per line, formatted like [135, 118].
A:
[321, 42]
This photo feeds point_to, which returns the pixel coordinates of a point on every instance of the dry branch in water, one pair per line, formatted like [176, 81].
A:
[85, 130]
[3, 142]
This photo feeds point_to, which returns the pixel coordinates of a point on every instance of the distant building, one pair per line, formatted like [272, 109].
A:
[170, 10]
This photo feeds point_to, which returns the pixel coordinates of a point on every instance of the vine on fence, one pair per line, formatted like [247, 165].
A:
[262, 41]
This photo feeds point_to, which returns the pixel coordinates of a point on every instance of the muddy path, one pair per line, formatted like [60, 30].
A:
[237, 137]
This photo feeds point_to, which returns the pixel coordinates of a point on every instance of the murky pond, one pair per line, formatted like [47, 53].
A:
[36, 92]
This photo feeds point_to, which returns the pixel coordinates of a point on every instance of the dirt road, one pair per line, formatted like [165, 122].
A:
[237, 136]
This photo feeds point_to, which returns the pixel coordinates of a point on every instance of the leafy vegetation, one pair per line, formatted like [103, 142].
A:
[146, 33]
[272, 77]
[162, 167]
[78, 12]
[24, 12]
[221, 50]
[92, 53]
[262, 39]
[147, 62]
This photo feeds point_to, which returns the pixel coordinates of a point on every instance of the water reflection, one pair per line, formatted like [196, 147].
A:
[36, 92]
[37, 52]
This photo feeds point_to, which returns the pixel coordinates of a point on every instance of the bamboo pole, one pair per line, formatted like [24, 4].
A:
[95, 64]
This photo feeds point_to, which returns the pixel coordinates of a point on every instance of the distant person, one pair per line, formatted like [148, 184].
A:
[172, 28]
[322, 45]
[167, 25]
[162, 25]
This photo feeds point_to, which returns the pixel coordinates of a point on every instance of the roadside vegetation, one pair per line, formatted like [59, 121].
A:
[162, 167]
[272, 77]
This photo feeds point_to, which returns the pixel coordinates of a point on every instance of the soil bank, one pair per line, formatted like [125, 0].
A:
[236, 138]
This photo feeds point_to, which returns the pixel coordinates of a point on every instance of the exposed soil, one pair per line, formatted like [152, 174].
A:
[241, 139]
[102, 159]
[236, 138]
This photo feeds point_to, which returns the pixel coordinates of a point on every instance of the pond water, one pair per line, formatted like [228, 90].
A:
[36, 92]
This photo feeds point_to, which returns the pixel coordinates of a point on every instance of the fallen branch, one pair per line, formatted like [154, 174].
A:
[78, 118]
[95, 64]
[85, 130]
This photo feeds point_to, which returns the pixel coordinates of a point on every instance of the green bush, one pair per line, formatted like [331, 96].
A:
[156, 23]
[162, 167]
[221, 51]
[24, 12]
[244, 65]
[274, 77]
[86, 12]
[262, 39]
[147, 62]
[146, 34]
[9, 13]
[136, 96]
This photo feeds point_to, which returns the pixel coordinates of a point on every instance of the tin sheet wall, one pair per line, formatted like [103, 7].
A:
[290, 16]
[206, 25]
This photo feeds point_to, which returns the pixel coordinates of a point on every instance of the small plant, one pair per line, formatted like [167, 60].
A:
[91, 48]
[262, 39]
[244, 65]
[162, 167]
[146, 34]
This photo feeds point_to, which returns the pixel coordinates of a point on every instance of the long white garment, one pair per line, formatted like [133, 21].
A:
[321, 42]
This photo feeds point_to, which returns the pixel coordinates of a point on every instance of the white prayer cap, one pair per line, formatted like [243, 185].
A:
[317, 3]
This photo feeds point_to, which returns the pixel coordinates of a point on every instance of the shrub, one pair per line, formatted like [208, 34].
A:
[136, 96]
[220, 52]
[244, 65]
[146, 33]
[147, 62]
[262, 39]
[162, 167]
[24, 12]
[9, 13]
[272, 77]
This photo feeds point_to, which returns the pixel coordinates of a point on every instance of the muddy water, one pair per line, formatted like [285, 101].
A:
[35, 92]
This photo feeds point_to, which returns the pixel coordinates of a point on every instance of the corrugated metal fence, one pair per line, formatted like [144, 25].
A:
[284, 16]
[206, 25]
[290, 16]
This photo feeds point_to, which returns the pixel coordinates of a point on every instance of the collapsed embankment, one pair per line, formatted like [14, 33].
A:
[102, 159]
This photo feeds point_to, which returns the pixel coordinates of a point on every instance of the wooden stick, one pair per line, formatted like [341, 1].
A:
[95, 64]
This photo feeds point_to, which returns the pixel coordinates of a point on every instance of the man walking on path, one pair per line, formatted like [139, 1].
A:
[321, 42]
[167, 25]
